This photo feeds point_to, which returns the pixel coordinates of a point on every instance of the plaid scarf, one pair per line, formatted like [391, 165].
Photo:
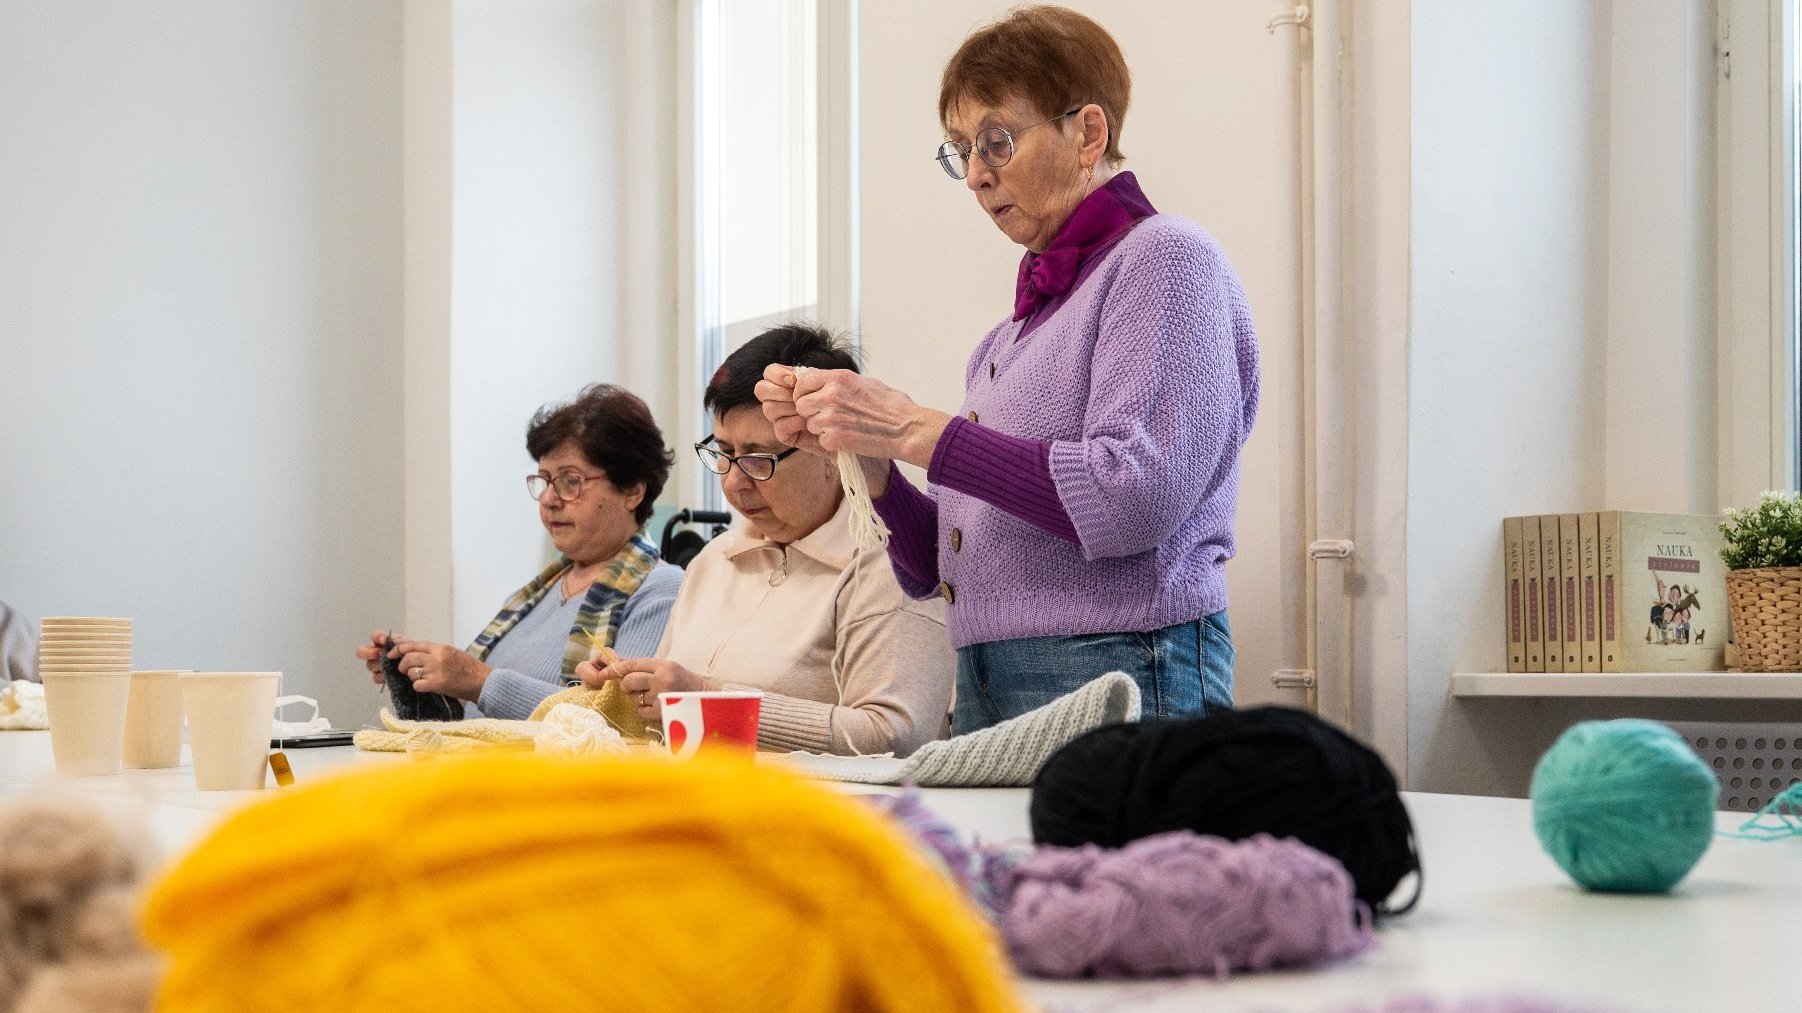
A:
[597, 619]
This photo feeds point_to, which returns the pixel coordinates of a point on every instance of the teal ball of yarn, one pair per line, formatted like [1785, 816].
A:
[1624, 806]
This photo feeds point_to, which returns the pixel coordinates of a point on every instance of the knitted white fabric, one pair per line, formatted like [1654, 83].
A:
[1007, 755]
[403, 736]
[22, 707]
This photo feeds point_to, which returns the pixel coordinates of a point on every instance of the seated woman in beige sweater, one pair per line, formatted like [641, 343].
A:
[784, 602]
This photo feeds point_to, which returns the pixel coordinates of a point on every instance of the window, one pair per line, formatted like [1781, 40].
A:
[1791, 78]
[773, 79]
[1759, 347]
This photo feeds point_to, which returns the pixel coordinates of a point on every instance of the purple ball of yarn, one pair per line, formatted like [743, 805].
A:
[940, 838]
[984, 870]
[1180, 903]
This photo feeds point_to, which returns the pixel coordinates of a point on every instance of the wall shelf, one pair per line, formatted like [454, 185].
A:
[1645, 685]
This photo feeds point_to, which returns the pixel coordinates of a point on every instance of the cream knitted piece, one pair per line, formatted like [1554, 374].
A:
[401, 736]
[609, 702]
[22, 707]
[572, 730]
[1007, 755]
[446, 736]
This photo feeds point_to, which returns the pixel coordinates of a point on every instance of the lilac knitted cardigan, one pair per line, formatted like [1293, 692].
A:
[1145, 381]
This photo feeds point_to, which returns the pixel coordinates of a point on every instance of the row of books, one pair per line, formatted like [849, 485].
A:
[1614, 591]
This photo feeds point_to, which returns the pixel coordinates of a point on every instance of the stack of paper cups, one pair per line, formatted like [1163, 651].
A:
[86, 667]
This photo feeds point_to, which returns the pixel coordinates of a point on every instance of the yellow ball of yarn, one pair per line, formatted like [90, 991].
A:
[512, 881]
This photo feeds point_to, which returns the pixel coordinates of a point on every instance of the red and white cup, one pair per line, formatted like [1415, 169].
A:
[710, 721]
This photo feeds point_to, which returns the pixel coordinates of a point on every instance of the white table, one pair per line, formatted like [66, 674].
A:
[1497, 917]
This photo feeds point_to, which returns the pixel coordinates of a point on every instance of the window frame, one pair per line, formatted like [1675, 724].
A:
[1759, 414]
[838, 218]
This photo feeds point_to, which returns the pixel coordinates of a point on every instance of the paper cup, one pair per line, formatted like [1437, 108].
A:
[87, 721]
[229, 716]
[711, 722]
[153, 721]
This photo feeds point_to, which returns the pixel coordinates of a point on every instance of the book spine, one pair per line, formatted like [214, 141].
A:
[1568, 595]
[1551, 590]
[1589, 590]
[1608, 575]
[1514, 593]
[1529, 542]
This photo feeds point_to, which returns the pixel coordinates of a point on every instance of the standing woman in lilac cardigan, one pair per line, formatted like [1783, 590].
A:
[1081, 506]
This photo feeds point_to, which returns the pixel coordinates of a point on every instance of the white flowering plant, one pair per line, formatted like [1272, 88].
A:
[1769, 534]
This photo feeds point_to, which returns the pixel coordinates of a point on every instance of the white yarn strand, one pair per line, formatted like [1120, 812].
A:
[867, 529]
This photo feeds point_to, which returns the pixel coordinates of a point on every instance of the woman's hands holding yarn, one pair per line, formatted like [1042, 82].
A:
[440, 668]
[827, 411]
[370, 654]
[642, 679]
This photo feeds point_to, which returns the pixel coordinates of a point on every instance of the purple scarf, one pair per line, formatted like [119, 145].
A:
[1096, 224]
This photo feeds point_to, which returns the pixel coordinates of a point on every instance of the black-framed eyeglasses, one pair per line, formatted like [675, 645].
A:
[995, 145]
[567, 483]
[757, 467]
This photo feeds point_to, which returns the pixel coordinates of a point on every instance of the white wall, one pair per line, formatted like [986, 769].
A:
[1377, 187]
[1509, 225]
[1210, 133]
[540, 259]
[535, 215]
[200, 326]
[429, 76]
[650, 345]
[1661, 449]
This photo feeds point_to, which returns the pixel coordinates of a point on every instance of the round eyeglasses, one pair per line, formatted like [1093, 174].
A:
[567, 483]
[757, 467]
[995, 145]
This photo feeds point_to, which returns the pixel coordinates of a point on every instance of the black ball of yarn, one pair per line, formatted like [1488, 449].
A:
[1264, 770]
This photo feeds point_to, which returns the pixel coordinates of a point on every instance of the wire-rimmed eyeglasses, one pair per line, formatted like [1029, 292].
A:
[757, 467]
[995, 145]
[567, 483]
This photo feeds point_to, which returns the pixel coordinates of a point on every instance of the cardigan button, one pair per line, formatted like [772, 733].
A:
[972, 416]
[957, 540]
[947, 592]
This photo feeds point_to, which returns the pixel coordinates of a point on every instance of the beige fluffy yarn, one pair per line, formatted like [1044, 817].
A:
[69, 883]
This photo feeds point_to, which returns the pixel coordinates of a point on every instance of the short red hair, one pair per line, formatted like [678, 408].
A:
[1051, 57]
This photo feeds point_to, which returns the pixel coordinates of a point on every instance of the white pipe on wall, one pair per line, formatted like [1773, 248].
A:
[1326, 676]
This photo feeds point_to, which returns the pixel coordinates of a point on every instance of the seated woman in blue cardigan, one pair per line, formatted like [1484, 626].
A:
[601, 464]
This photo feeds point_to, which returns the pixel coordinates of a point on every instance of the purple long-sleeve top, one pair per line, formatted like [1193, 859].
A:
[1091, 482]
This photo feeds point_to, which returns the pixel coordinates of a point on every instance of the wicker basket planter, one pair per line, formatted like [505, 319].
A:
[1765, 606]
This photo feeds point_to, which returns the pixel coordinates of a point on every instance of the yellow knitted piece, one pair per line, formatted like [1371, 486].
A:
[444, 736]
[470, 884]
[610, 701]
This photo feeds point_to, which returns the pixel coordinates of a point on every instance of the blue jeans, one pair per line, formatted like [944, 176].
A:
[1181, 670]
